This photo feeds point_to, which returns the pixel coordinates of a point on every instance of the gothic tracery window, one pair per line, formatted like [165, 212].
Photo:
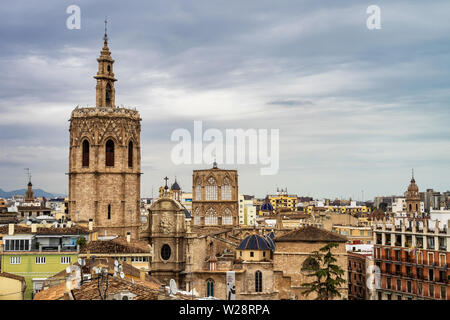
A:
[226, 189]
[198, 190]
[109, 153]
[197, 217]
[211, 189]
[211, 217]
[227, 217]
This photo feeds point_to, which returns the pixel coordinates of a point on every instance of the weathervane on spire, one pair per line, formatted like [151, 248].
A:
[105, 37]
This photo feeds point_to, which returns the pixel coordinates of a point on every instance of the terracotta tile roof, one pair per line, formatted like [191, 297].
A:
[33, 208]
[311, 234]
[11, 276]
[54, 293]
[118, 245]
[67, 230]
[89, 290]
[43, 231]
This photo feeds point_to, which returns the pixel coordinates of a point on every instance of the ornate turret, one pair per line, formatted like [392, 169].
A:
[105, 77]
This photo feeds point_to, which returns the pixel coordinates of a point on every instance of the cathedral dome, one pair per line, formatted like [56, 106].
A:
[254, 242]
[270, 241]
[413, 186]
[175, 186]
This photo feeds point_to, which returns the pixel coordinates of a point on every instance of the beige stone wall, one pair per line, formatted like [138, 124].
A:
[288, 260]
[11, 289]
[93, 188]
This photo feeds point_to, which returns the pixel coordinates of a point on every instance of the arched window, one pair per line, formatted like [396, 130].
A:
[211, 217]
[109, 153]
[410, 207]
[258, 281]
[417, 207]
[211, 189]
[85, 152]
[130, 154]
[226, 189]
[108, 94]
[210, 288]
[197, 218]
[198, 190]
[166, 252]
[109, 211]
[227, 217]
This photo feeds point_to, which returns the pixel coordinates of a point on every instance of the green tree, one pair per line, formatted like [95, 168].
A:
[81, 241]
[328, 275]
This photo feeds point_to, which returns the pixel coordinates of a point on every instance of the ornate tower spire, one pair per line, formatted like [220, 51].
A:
[105, 92]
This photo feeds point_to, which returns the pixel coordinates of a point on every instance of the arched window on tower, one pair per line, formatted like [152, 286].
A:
[108, 94]
[198, 190]
[85, 152]
[130, 154]
[210, 288]
[211, 217]
[109, 212]
[109, 153]
[197, 217]
[258, 281]
[211, 189]
[226, 189]
[227, 217]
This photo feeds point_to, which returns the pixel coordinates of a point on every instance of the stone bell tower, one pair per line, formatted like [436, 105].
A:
[412, 197]
[105, 159]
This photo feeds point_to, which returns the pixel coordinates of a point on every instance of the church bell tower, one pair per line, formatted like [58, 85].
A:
[105, 159]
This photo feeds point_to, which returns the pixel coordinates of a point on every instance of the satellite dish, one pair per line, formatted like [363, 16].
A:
[116, 262]
[172, 287]
[28, 222]
[122, 275]
[68, 269]
[80, 261]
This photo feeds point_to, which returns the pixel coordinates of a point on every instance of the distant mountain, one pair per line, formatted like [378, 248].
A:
[37, 193]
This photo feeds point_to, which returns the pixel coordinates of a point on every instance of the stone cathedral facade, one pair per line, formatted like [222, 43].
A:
[105, 159]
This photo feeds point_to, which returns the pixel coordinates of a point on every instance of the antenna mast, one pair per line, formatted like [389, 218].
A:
[28, 174]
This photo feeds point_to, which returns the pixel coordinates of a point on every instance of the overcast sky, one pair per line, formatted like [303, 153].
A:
[356, 108]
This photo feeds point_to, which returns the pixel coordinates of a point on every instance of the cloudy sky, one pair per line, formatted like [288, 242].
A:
[356, 108]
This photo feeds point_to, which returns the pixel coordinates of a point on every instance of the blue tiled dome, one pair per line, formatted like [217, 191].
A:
[271, 235]
[267, 207]
[270, 241]
[254, 242]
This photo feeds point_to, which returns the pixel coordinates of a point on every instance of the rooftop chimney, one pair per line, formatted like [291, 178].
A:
[128, 236]
[33, 228]
[11, 229]
[142, 274]
[91, 225]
